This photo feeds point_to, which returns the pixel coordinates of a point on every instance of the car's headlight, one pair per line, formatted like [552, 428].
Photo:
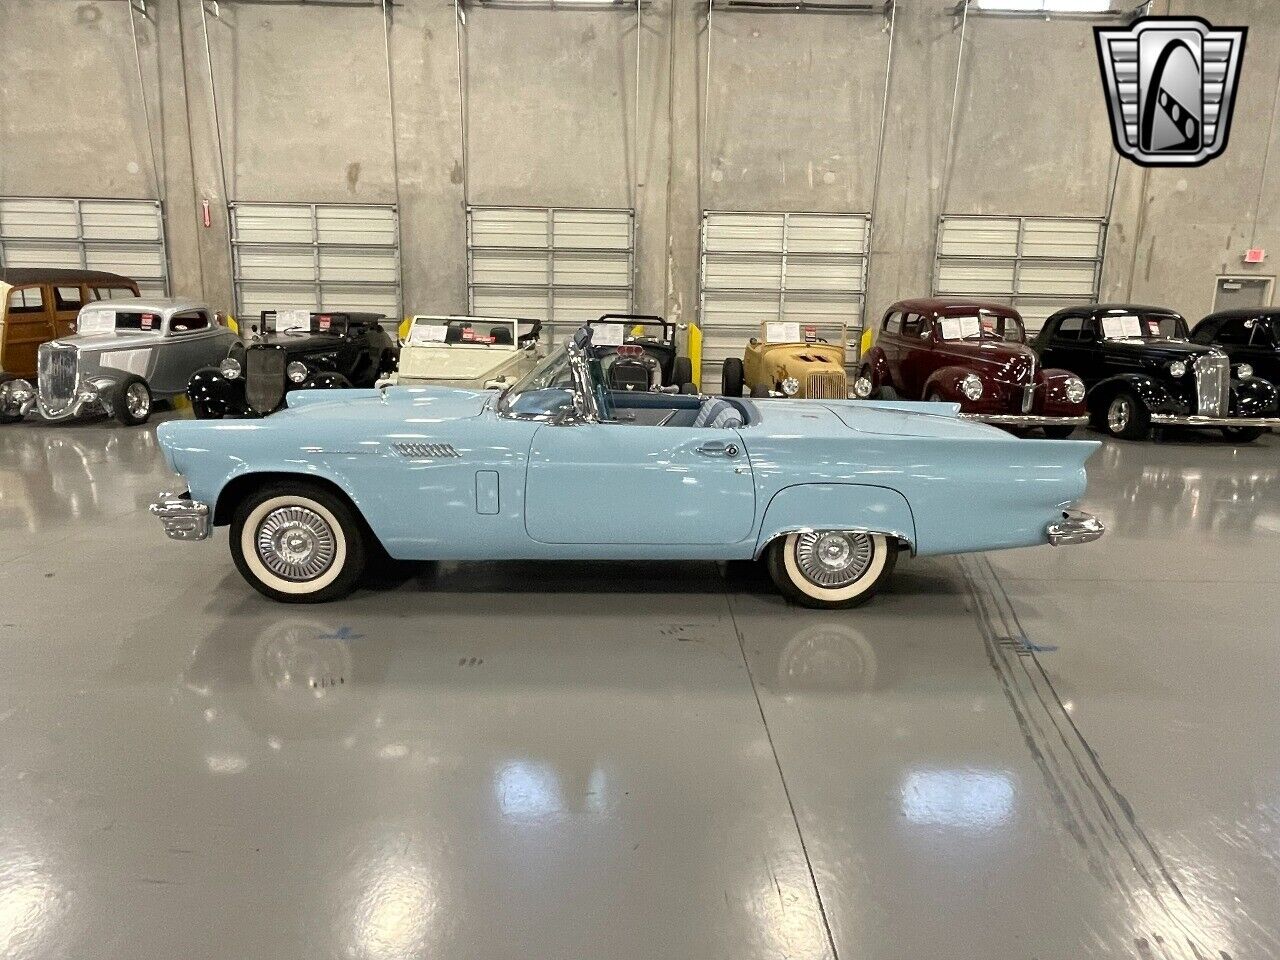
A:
[971, 386]
[862, 388]
[1244, 371]
[791, 386]
[1075, 389]
[229, 368]
[19, 391]
[1178, 369]
[296, 371]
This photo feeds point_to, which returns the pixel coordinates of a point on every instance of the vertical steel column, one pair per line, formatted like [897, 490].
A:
[949, 157]
[551, 269]
[892, 8]
[782, 267]
[395, 153]
[315, 257]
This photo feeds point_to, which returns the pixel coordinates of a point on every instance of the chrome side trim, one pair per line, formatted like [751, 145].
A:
[1074, 527]
[182, 517]
[1024, 420]
[1185, 420]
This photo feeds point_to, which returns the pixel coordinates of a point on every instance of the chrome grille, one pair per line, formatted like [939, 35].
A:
[1213, 384]
[423, 451]
[57, 375]
[1028, 397]
[827, 386]
[264, 381]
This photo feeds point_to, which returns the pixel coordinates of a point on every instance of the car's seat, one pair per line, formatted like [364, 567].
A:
[501, 336]
[453, 334]
[718, 413]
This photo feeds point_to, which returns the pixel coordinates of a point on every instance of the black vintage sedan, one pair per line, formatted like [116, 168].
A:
[1141, 371]
[329, 351]
[1251, 338]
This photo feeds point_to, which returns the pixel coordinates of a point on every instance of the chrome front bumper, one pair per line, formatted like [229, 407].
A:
[182, 517]
[1024, 420]
[1191, 420]
[1074, 527]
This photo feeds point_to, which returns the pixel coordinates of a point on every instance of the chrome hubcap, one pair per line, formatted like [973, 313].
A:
[296, 543]
[1118, 414]
[137, 399]
[834, 559]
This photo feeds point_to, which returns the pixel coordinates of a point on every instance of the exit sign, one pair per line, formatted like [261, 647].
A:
[1255, 255]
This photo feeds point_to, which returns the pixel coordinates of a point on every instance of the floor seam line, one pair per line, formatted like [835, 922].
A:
[782, 778]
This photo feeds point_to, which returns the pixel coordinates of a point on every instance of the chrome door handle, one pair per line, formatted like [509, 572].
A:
[718, 449]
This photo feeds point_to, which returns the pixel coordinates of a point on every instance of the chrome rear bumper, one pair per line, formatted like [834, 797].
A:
[1074, 527]
[182, 517]
[1184, 420]
[1024, 420]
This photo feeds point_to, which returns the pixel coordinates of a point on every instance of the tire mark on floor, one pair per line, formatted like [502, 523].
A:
[1098, 817]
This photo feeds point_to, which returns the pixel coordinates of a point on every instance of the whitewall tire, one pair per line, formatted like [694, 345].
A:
[831, 569]
[298, 543]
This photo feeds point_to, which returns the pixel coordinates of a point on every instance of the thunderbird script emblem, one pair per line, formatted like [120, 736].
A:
[1171, 86]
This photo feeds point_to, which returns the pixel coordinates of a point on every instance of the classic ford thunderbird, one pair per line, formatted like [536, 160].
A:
[559, 466]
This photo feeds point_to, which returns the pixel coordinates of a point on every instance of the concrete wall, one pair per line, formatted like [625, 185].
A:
[785, 118]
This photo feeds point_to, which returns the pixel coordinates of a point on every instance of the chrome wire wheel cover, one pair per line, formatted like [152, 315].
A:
[1119, 414]
[296, 543]
[137, 399]
[833, 559]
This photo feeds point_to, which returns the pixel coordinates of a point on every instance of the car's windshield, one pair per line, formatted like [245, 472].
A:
[982, 326]
[469, 331]
[547, 391]
[1142, 326]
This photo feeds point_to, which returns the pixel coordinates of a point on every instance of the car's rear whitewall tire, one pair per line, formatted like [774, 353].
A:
[831, 569]
[298, 544]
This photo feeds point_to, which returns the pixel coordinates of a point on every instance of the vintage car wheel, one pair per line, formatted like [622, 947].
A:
[682, 371]
[731, 377]
[1127, 417]
[298, 543]
[1242, 434]
[831, 569]
[132, 403]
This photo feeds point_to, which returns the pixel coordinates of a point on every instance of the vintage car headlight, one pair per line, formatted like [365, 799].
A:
[1075, 389]
[229, 368]
[971, 386]
[19, 391]
[296, 371]
[1244, 371]
[1178, 369]
[791, 386]
[862, 388]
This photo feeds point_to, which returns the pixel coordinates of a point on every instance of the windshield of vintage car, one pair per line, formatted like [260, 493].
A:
[980, 327]
[545, 390]
[1145, 326]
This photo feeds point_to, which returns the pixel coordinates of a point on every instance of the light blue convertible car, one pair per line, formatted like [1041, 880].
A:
[557, 466]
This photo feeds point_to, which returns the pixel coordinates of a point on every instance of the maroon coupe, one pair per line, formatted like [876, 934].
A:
[971, 353]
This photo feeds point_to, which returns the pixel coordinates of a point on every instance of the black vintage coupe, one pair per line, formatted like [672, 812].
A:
[638, 352]
[332, 351]
[1142, 371]
[1251, 338]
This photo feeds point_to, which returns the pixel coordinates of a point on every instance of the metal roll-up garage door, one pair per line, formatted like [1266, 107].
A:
[1036, 264]
[316, 256]
[118, 236]
[755, 267]
[560, 265]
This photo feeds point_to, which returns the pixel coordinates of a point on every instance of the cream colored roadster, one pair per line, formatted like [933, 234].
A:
[469, 352]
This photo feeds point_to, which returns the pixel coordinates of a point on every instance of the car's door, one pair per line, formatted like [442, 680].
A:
[918, 356]
[28, 323]
[612, 483]
[67, 301]
[192, 341]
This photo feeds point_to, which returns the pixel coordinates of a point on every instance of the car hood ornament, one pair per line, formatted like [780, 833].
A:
[1171, 86]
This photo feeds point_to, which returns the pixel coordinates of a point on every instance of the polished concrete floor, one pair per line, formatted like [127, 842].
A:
[1048, 754]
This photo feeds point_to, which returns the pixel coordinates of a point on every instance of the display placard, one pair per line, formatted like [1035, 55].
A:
[960, 328]
[291, 320]
[1120, 328]
[780, 331]
[608, 335]
[428, 332]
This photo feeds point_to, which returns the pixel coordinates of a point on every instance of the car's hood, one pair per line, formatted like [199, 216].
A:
[453, 363]
[1007, 362]
[115, 340]
[884, 418]
[1154, 349]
